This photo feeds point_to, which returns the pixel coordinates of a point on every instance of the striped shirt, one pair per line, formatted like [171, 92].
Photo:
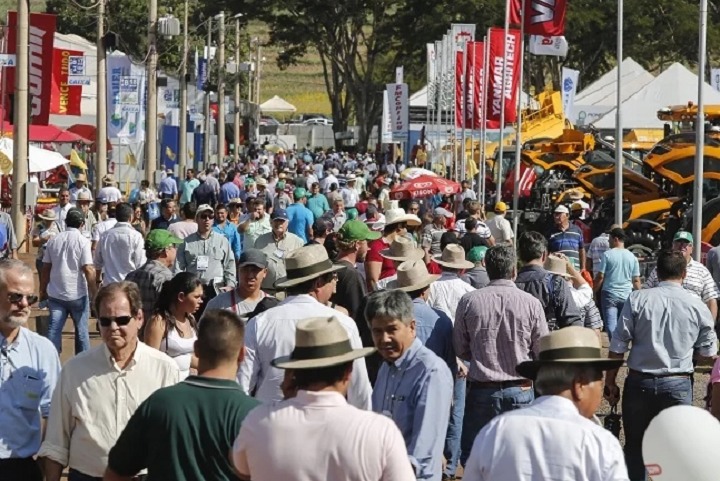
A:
[698, 281]
[597, 248]
[568, 242]
[496, 328]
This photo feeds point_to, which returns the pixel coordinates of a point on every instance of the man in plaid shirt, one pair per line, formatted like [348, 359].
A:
[160, 248]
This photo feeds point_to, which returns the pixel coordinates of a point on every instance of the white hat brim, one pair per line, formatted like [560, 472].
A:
[285, 362]
[462, 265]
[284, 282]
[414, 287]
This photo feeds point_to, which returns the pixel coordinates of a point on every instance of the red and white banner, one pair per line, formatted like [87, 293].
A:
[474, 72]
[504, 56]
[542, 17]
[64, 99]
[42, 35]
[459, 97]
[555, 46]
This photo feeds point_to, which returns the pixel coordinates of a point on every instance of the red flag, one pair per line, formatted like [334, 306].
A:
[542, 17]
[42, 34]
[499, 96]
[474, 74]
[459, 97]
[64, 99]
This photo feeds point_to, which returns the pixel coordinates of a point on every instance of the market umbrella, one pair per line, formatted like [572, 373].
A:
[41, 160]
[415, 172]
[424, 186]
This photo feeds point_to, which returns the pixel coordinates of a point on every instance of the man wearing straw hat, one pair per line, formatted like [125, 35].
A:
[555, 437]
[316, 433]
[80, 186]
[401, 250]
[310, 282]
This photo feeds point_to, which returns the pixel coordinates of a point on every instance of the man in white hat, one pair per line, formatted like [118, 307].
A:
[310, 282]
[80, 186]
[329, 180]
[556, 435]
[566, 238]
[317, 430]
[432, 233]
[83, 202]
[350, 196]
[110, 190]
[42, 233]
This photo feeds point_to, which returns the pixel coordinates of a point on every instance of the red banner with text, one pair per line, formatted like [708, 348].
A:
[542, 17]
[41, 40]
[459, 98]
[473, 90]
[504, 56]
[64, 99]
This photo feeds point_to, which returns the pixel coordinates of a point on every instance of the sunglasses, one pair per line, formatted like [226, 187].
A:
[16, 298]
[207, 216]
[119, 320]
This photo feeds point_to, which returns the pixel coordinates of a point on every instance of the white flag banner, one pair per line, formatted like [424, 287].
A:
[569, 89]
[555, 46]
[462, 33]
[386, 131]
[430, 48]
[715, 78]
[438, 72]
[399, 112]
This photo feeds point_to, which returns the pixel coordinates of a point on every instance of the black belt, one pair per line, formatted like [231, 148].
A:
[646, 375]
[499, 384]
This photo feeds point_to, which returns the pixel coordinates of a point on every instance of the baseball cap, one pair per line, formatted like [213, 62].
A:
[476, 254]
[561, 209]
[203, 208]
[356, 230]
[280, 184]
[501, 207]
[300, 193]
[102, 199]
[279, 214]
[75, 216]
[683, 235]
[253, 257]
[443, 212]
[160, 239]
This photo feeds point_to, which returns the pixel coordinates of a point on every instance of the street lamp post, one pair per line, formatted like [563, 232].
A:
[182, 147]
[208, 124]
[101, 126]
[236, 113]
[151, 111]
[221, 86]
[258, 75]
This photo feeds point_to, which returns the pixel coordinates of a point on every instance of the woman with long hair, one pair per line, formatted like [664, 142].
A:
[172, 328]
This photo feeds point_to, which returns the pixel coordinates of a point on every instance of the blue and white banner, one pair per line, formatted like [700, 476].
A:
[569, 89]
[126, 98]
[202, 73]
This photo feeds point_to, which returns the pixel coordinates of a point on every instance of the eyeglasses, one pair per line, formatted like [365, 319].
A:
[16, 298]
[119, 320]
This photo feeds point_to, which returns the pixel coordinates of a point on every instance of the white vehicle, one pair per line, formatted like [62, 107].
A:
[318, 121]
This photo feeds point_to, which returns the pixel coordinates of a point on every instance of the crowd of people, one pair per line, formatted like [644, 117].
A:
[286, 318]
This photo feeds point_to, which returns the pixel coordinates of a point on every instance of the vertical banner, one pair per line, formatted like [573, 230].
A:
[553, 46]
[202, 73]
[169, 146]
[475, 52]
[459, 95]
[41, 41]
[542, 17]
[461, 34]
[126, 98]
[569, 88]
[399, 113]
[715, 78]
[386, 127]
[430, 58]
[64, 98]
[503, 96]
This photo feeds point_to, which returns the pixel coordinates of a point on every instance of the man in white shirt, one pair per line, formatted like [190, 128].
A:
[499, 226]
[555, 437]
[106, 221]
[100, 389]
[315, 426]
[68, 281]
[310, 282]
[121, 249]
[63, 207]
[109, 190]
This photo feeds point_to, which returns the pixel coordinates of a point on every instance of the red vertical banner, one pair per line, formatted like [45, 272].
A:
[64, 99]
[459, 97]
[542, 17]
[41, 41]
[504, 56]
[474, 72]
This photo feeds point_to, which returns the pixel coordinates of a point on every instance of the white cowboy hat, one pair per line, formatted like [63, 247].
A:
[571, 345]
[453, 256]
[402, 249]
[395, 216]
[84, 195]
[304, 264]
[556, 265]
[412, 276]
[320, 342]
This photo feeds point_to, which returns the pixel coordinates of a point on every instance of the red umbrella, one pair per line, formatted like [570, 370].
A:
[424, 186]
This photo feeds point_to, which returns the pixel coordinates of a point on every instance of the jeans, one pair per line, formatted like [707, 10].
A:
[643, 399]
[454, 430]
[483, 404]
[611, 306]
[79, 310]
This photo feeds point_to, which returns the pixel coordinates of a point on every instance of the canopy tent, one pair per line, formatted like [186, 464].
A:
[675, 86]
[277, 104]
[41, 160]
[88, 132]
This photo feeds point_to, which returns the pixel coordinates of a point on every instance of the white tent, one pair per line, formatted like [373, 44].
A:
[41, 160]
[419, 99]
[675, 86]
[600, 97]
[277, 104]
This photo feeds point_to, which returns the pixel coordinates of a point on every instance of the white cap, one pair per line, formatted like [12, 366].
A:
[561, 209]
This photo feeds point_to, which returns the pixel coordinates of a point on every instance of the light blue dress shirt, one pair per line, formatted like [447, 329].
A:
[435, 329]
[416, 392]
[229, 230]
[29, 370]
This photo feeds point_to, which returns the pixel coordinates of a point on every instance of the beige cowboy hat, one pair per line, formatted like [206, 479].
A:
[555, 265]
[453, 256]
[402, 249]
[48, 214]
[108, 179]
[575, 195]
[81, 177]
[84, 195]
[412, 276]
[571, 345]
[304, 264]
[395, 216]
[320, 342]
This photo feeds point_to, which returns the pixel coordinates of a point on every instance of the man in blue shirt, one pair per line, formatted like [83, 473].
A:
[567, 238]
[317, 202]
[301, 218]
[188, 186]
[414, 386]
[228, 229]
[29, 370]
[229, 190]
[168, 187]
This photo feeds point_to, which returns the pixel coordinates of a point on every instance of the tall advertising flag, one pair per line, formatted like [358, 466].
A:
[64, 98]
[474, 73]
[715, 78]
[569, 88]
[542, 17]
[461, 34]
[430, 47]
[503, 96]
[553, 46]
[399, 112]
[459, 97]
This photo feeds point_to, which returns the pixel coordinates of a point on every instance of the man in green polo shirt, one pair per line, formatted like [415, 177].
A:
[185, 432]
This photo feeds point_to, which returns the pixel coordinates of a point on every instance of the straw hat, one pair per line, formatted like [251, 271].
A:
[412, 276]
[556, 265]
[402, 249]
[453, 256]
[48, 214]
[395, 216]
[81, 177]
[575, 195]
[108, 179]
[84, 195]
[304, 264]
[571, 345]
[320, 342]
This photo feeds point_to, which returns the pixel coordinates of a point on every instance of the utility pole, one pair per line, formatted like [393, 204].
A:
[151, 111]
[101, 107]
[698, 194]
[258, 73]
[183, 99]
[20, 125]
[208, 123]
[236, 113]
[221, 86]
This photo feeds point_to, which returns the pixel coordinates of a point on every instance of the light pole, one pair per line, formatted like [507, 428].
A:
[101, 106]
[208, 123]
[258, 74]
[236, 113]
[221, 86]
[618, 121]
[182, 147]
[151, 110]
[20, 126]
[700, 137]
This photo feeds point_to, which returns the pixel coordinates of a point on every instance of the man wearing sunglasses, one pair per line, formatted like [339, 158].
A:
[29, 369]
[99, 390]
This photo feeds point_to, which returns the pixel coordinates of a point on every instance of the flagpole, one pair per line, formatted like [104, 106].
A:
[483, 120]
[499, 161]
[618, 122]
[699, 137]
[463, 111]
[439, 57]
[518, 128]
